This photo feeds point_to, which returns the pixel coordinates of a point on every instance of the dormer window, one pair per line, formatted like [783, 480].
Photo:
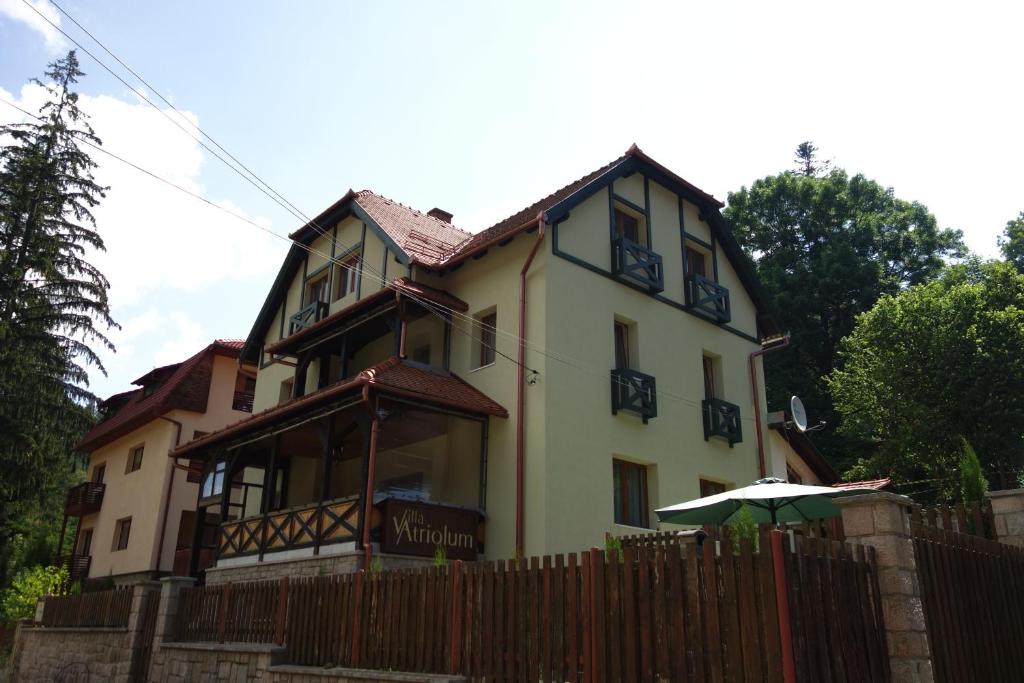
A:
[148, 390]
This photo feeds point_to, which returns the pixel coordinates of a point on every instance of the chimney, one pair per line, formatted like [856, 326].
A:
[440, 215]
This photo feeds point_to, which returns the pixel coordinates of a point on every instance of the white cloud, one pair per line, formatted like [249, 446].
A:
[188, 338]
[19, 11]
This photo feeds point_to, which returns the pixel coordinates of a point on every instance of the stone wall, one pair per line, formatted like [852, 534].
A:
[323, 565]
[245, 662]
[82, 655]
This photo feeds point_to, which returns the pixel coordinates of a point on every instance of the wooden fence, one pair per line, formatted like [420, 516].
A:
[974, 520]
[109, 608]
[660, 611]
[972, 589]
[238, 613]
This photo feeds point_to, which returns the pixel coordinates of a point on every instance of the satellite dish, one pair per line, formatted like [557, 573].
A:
[796, 407]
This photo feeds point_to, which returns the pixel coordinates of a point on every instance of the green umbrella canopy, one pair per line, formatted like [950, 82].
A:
[770, 501]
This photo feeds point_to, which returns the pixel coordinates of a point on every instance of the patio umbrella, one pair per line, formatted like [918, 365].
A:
[769, 501]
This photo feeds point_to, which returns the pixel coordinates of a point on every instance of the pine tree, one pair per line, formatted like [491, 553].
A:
[52, 300]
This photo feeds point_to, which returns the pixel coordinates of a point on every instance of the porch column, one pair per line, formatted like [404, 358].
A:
[1008, 512]
[881, 520]
[270, 476]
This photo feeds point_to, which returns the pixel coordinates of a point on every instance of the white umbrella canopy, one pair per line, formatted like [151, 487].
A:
[771, 501]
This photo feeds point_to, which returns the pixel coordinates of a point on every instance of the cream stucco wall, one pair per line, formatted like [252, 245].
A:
[783, 455]
[142, 494]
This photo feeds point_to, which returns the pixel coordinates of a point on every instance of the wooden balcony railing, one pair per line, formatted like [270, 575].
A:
[722, 419]
[313, 526]
[310, 314]
[77, 566]
[243, 401]
[84, 499]
[708, 297]
[635, 262]
[634, 392]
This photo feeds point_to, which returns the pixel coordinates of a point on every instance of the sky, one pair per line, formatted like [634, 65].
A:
[482, 108]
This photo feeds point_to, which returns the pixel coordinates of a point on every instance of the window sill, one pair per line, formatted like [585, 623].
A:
[483, 367]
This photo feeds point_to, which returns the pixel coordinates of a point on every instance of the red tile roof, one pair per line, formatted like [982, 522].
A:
[868, 484]
[391, 376]
[424, 238]
[416, 290]
[186, 386]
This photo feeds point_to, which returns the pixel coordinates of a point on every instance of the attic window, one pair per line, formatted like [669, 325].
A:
[630, 224]
[148, 389]
[345, 277]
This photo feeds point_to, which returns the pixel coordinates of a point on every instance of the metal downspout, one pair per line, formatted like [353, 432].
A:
[757, 403]
[520, 388]
[170, 487]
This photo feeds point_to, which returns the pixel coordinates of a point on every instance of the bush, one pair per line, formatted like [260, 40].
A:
[29, 585]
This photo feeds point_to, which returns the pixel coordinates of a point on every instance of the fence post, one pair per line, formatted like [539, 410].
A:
[357, 613]
[778, 539]
[882, 520]
[456, 634]
[222, 611]
[282, 610]
[1008, 515]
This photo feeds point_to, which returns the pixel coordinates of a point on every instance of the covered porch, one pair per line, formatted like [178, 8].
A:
[392, 461]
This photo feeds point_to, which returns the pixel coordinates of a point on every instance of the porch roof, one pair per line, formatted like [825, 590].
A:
[402, 286]
[393, 377]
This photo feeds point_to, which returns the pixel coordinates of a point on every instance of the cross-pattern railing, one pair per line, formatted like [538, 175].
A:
[308, 315]
[84, 499]
[634, 392]
[316, 525]
[722, 419]
[708, 297]
[637, 263]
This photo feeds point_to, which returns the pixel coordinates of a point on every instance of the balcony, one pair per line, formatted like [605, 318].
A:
[310, 314]
[708, 298]
[310, 526]
[634, 392]
[77, 566]
[722, 419]
[84, 499]
[636, 263]
[242, 400]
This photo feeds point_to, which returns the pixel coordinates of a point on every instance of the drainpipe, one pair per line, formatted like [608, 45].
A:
[170, 488]
[781, 344]
[520, 386]
[370, 477]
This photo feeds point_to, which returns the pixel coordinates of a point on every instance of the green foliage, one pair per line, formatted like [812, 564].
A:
[1011, 242]
[932, 366]
[972, 481]
[51, 301]
[376, 566]
[613, 547]
[826, 247]
[19, 601]
[440, 556]
[742, 527]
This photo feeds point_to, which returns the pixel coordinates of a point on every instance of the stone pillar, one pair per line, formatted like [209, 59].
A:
[170, 592]
[881, 520]
[1008, 512]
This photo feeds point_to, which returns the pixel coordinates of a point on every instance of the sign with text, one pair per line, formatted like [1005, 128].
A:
[415, 528]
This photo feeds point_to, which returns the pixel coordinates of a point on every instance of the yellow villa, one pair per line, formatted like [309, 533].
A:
[135, 511]
[519, 391]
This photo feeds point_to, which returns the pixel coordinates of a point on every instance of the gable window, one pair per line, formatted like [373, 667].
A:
[709, 487]
[487, 338]
[630, 495]
[345, 277]
[122, 530]
[622, 345]
[696, 262]
[317, 290]
[134, 459]
[98, 473]
[627, 225]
